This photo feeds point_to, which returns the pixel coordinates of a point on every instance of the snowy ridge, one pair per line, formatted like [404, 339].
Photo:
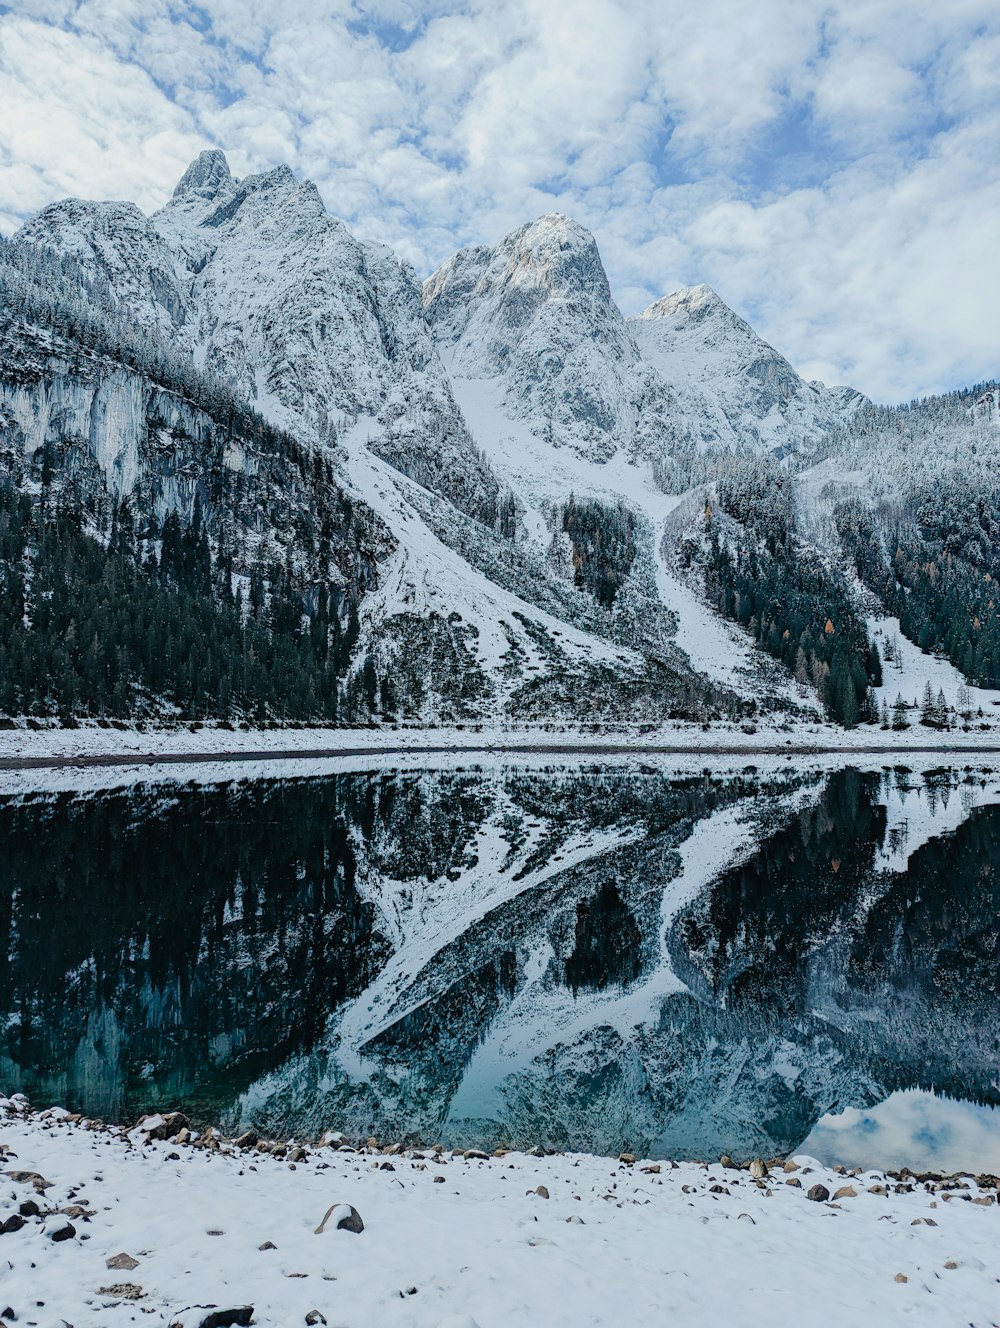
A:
[732, 387]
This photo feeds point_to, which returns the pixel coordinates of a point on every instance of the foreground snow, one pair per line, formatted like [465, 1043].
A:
[612, 1243]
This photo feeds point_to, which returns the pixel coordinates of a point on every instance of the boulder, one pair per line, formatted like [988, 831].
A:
[818, 1193]
[29, 1178]
[211, 1316]
[342, 1217]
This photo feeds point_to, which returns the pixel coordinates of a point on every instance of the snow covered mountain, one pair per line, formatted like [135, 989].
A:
[536, 315]
[538, 477]
[733, 388]
[258, 287]
[261, 286]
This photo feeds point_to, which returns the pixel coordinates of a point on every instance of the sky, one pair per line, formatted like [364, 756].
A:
[831, 169]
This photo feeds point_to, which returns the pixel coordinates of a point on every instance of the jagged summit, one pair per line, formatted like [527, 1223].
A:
[535, 317]
[551, 257]
[206, 176]
[691, 300]
[557, 254]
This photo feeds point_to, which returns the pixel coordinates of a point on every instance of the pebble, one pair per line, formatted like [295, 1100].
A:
[122, 1262]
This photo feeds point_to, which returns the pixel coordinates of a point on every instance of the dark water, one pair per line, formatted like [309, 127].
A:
[593, 958]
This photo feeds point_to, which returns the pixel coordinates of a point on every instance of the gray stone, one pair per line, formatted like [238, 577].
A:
[347, 1219]
[211, 1316]
[122, 1263]
[123, 1291]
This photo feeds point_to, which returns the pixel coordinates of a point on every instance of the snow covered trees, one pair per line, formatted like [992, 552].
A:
[795, 607]
[603, 540]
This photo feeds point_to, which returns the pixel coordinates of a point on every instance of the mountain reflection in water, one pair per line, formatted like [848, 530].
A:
[587, 957]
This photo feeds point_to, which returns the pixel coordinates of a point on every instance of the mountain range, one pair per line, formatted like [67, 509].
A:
[489, 498]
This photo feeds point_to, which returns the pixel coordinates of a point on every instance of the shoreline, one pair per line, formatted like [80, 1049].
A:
[23, 749]
[104, 1225]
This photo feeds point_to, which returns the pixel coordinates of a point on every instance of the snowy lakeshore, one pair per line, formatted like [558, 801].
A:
[165, 1225]
[124, 744]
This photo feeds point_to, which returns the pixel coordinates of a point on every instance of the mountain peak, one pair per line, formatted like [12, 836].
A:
[556, 253]
[691, 300]
[206, 175]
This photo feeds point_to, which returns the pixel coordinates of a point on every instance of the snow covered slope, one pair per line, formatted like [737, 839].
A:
[202, 1235]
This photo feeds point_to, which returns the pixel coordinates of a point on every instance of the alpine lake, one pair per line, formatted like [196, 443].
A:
[677, 957]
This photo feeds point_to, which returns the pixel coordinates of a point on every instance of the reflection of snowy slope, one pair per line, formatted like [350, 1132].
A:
[545, 1017]
[919, 809]
[520, 897]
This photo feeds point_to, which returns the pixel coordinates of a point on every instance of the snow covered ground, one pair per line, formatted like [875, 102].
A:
[197, 742]
[450, 1241]
[910, 669]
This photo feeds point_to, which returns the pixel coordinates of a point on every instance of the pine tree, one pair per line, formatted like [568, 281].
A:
[899, 716]
[927, 710]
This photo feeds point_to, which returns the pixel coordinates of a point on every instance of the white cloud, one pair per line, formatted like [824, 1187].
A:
[829, 167]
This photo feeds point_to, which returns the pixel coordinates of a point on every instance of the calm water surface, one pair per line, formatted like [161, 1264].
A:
[735, 960]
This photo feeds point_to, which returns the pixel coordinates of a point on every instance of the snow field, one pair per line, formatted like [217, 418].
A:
[612, 1244]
